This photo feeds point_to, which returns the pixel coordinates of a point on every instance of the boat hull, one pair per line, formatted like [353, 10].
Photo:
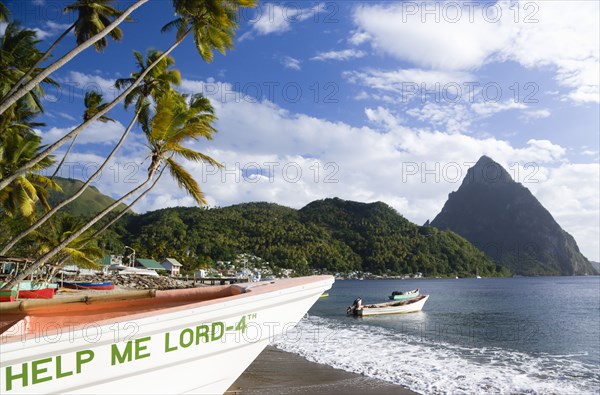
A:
[389, 308]
[29, 290]
[405, 296]
[104, 285]
[197, 347]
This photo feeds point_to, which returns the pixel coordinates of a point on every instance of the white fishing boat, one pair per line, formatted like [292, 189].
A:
[397, 307]
[147, 342]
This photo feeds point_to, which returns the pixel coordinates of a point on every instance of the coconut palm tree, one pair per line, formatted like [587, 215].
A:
[94, 103]
[93, 17]
[83, 251]
[159, 80]
[18, 52]
[9, 100]
[4, 13]
[22, 195]
[176, 121]
[155, 84]
[210, 22]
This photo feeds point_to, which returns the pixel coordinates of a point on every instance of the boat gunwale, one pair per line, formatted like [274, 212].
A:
[183, 300]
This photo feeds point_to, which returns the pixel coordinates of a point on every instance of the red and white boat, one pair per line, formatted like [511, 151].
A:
[188, 341]
[29, 290]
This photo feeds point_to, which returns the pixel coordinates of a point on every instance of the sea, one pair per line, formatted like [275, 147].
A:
[521, 335]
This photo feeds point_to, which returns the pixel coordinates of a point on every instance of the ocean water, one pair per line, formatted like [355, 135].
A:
[493, 335]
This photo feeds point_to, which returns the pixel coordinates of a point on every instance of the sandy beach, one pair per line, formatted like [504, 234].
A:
[277, 372]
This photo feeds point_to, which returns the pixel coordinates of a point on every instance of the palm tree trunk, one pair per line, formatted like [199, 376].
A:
[63, 158]
[23, 169]
[46, 257]
[122, 213]
[44, 56]
[68, 200]
[12, 99]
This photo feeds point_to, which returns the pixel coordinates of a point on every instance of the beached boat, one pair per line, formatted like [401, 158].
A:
[195, 340]
[396, 307]
[397, 295]
[29, 290]
[99, 285]
[127, 270]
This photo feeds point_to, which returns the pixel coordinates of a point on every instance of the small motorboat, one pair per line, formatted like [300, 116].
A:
[397, 295]
[98, 285]
[396, 307]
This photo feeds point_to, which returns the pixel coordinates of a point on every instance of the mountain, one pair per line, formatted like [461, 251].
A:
[503, 218]
[91, 201]
[331, 234]
[596, 265]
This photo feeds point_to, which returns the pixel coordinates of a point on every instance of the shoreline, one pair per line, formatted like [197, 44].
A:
[277, 372]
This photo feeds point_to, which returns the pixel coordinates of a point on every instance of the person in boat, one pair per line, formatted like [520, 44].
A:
[357, 305]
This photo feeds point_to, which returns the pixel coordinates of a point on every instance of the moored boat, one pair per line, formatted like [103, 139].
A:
[396, 307]
[29, 290]
[195, 340]
[98, 285]
[397, 295]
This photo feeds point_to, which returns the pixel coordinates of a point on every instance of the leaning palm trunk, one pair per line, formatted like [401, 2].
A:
[68, 200]
[122, 213]
[51, 148]
[20, 92]
[46, 257]
[44, 56]
[63, 158]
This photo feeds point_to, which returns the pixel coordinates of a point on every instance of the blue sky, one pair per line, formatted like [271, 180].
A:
[389, 101]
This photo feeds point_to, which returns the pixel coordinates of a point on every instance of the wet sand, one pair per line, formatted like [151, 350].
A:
[276, 372]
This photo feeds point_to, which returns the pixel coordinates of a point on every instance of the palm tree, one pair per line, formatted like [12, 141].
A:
[18, 52]
[9, 100]
[4, 13]
[155, 84]
[94, 103]
[93, 17]
[210, 21]
[82, 251]
[22, 195]
[175, 122]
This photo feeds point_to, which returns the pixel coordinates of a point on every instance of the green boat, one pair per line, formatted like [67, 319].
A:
[397, 295]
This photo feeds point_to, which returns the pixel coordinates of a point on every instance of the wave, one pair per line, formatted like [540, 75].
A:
[435, 367]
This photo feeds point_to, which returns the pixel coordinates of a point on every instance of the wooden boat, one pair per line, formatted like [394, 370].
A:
[195, 340]
[99, 285]
[29, 290]
[397, 295]
[396, 307]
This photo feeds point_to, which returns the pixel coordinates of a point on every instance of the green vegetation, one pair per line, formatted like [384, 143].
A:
[90, 203]
[331, 235]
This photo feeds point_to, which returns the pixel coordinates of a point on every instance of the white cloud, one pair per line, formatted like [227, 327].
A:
[345, 54]
[411, 84]
[96, 133]
[493, 107]
[91, 82]
[290, 63]
[536, 114]
[454, 118]
[275, 19]
[50, 29]
[303, 158]
[358, 38]
[560, 34]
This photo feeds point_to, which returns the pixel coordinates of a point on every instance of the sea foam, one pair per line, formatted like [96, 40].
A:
[437, 367]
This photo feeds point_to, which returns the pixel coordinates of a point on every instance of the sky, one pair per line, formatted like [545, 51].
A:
[368, 101]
